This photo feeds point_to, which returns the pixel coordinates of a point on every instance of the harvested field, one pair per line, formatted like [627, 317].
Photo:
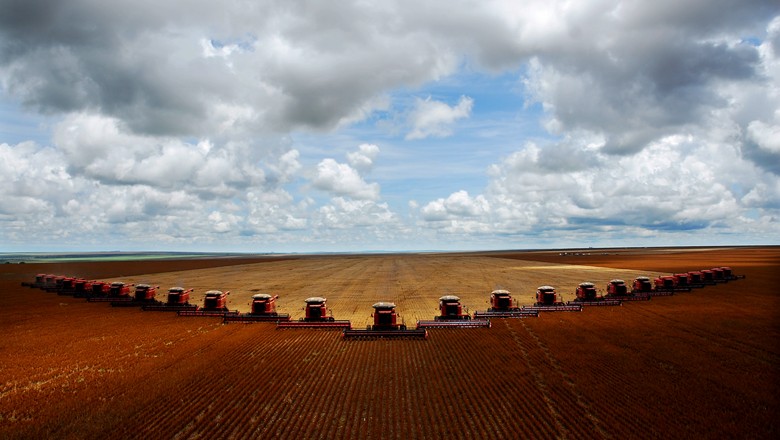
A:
[701, 364]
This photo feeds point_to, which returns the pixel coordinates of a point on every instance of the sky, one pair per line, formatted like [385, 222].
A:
[343, 126]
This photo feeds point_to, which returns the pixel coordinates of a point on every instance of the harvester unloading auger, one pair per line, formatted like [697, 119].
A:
[451, 315]
[502, 305]
[385, 326]
[263, 310]
[214, 305]
[316, 317]
[587, 295]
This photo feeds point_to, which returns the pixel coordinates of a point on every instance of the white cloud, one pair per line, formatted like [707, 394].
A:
[435, 118]
[363, 159]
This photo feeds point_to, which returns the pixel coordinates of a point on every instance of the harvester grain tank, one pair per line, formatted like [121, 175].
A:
[177, 300]
[214, 304]
[502, 305]
[316, 316]
[642, 287]
[451, 315]
[263, 309]
[548, 300]
[385, 325]
[587, 295]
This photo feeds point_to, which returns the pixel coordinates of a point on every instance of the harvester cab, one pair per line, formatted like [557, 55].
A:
[264, 304]
[618, 287]
[547, 296]
[587, 295]
[316, 316]
[642, 285]
[501, 301]
[385, 317]
[316, 309]
[385, 325]
[451, 315]
[450, 308]
[682, 281]
[215, 300]
[718, 275]
[145, 293]
[587, 292]
[80, 288]
[178, 296]
[263, 310]
[696, 278]
[665, 283]
[502, 305]
[119, 290]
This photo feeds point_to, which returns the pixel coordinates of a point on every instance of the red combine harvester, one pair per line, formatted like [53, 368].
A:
[40, 280]
[385, 326]
[451, 315]
[502, 305]
[82, 288]
[316, 317]
[117, 292]
[67, 287]
[682, 282]
[708, 277]
[665, 284]
[548, 300]
[719, 275]
[97, 289]
[728, 274]
[214, 304]
[587, 295]
[53, 283]
[696, 279]
[178, 300]
[144, 295]
[263, 310]
[642, 288]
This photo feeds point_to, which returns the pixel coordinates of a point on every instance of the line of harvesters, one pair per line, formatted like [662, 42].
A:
[386, 319]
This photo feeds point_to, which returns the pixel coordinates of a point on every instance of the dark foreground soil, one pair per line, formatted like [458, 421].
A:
[702, 364]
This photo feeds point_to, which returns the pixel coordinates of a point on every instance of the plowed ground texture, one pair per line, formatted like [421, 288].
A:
[700, 364]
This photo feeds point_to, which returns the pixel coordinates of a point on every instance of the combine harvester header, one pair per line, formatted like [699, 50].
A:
[316, 317]
[385, 326]
[263, 310]
[502, 305]
[451, 315]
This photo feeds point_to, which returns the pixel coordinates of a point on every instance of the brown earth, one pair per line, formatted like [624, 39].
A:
[701, 364]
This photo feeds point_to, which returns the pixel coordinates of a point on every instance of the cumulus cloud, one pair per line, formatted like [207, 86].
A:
[174, 120]
[343, 180]
[435, 118]
[363, 159]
